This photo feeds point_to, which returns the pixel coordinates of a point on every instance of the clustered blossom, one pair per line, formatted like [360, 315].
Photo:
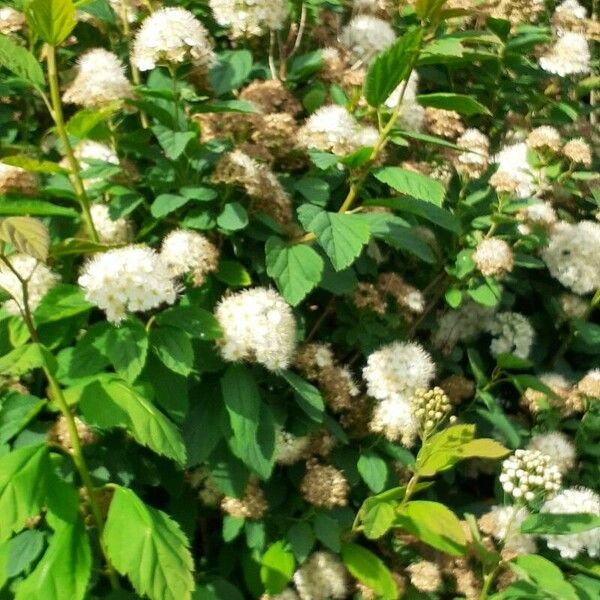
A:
[425, 576]
[17, 180]
[573, 255]
[290, 449]
[475, 158]
[185, 251]
[570, 55]
[569, 501]
[539, 214]
[512, 162]
[366, 36]
[590, 384]
[250, 17]
[503, 523]
[558, 446]
[564, 398]
[493, 257]
[445, 123]
[430, 407]
[110, 231]
[529, 473]
[40, 280]
[258, 325]
[11, 20]
[252, 505]
[100, 80]
[322, 577]
[512, 334]
[578, 151]
[172, 35]
[129, 279]
[324, 485]
[412, 114]
[544, 138]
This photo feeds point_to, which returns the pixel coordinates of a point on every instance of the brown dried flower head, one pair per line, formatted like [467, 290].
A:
[324, 485]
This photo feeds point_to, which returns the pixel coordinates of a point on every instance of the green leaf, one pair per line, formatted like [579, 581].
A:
[110, 402]
[586, 337]
[231, 106]
[441, 450]
[302, 539]
[52, 20]
[277, 567]
[391, 67]
[412, 184]
[24, 548]
[465, 105]
[149, 547]
[373, 470]
[85, 120]
[61, 302]
[197, 322]
[370, 570]
[127, 348]
[38, 208]
[165, 204]
[33, 164]
[233, 273]
[434, 524]
[342, 236]
[26, 358]
[309, 397]
[21, 62]
[232, 69]
[232, 527]
[27, 235]
[559, 524]
[296, 269]
[545, 575]
[485, 295]
[378, 519]
[328, 531]
[65, 568]
[16, 411]
[233, 217]
[172, 142]
[253, 439]
[23, 483]
[174, 348]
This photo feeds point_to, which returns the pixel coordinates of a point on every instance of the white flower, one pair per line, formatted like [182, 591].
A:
[397, 370]
[185, 251]
[365, 36]
[571, 8]
[529, 473]
[258, 325]
[513, 334]
[132, 8]
[322, 577]
[493, 257]
[573, 255]
[118, 231]
[100, 80]
[40, 280]
[172, 35]
[91, 150]
[573, 501]
[412, 115]
[570, 55]
[512, 160]
[507, 524]
[474, 161]
[129, 279]
[289, 449]
[574, 307]
[250, 17]
[395, 419]
[558, 446]
[11, 20]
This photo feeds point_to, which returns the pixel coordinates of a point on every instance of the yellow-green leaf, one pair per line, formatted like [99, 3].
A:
[27, 235]
[52, 20]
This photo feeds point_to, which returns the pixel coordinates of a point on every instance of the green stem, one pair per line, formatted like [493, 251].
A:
[59, 121]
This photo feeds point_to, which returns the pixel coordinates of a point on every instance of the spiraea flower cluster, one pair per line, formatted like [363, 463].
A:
[111, 231]
[15, 180]
[512, 334]
[185, 251]
[322, 576]
[365, 36]
[528, 474]
[250, 17]
[493, 257]
[430, 407]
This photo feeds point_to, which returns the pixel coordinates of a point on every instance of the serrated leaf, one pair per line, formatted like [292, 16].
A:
[174, 348]
[412, 184]
[16, 411]
[277, 567]
[172, 142]
[460, 103]
[370, 570]
[33, 164]
[25, 358]
[442, 449]
[27, 235]
[52, 20]
[308, 396]
[61, 302]
[296, 269]
[342, 236]
[65, 568]
[23, 479]
[433, 213]
[127, 348]
[148, 547]
[391, 67]
[21, 62]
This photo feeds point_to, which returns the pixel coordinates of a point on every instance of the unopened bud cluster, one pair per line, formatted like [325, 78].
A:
[431, 407]
[528, 473]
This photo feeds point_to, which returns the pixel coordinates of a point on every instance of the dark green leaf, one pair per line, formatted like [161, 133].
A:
[174, 348]
[466, 105]
[412, 184]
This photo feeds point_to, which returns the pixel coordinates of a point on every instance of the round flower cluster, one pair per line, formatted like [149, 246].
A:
[17, 181]
[185, 251]
[570, 55]
[11, 20]
[475, 159]
[578, 151]
[544, 138]
[539, 214]
[290, 449]
[252, 505]
[425, 576]
[324, 485]
[569, 501]
[258, 325]
[322, 577]
[558, 446]
[430, 407]
[40, 279]
[395, 419]
[493, 257]
[529, 473]
[503, 523]
[117, 231]
[565, 398]
[513, 334]
[172, 35]
[412, 114]
[512, 163]
[573, 255]
[444, 123]
[61, 433]
[250, 17]
[129, 279]
[590, 384]
[366, 36]
[100, 80]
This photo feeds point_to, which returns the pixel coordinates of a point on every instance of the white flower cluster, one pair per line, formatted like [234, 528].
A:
[40, 280]
[289, 449]
[129, 279]
[570, 55]
[172, 35]
[258, 325]
[100, 80]
[117, 231]
[250, 17]
[493, 257]
[529, 473]
[507, 522]
[393, 374]
[412, 114]
[365, 36]
[322, 577]
[513, 334]
[475, 159]
[185, 251]
[512, 162]
[570, 501]
[11, 20]
[573, 255]
[557, 445]
[91, 150]
[333, 129]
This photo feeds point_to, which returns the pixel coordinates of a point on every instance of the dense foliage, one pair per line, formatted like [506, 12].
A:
[299, 300]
